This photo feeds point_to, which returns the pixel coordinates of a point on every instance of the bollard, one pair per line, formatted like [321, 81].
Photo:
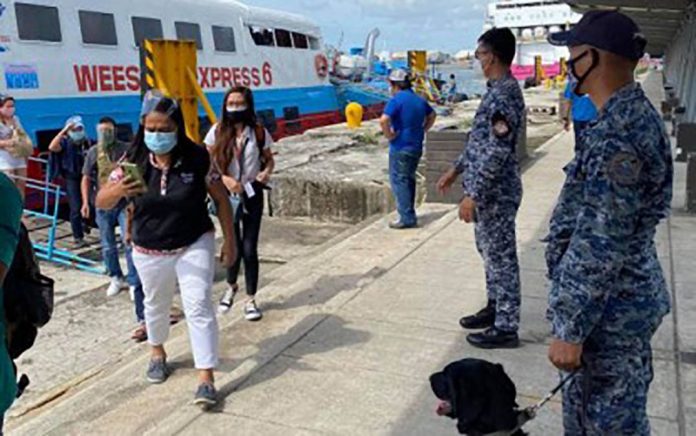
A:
[686, 140]
[678, 115]
[691, 183]
[354, 115]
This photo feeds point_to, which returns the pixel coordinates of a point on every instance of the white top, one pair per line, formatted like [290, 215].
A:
[7, 161]
[252, 160]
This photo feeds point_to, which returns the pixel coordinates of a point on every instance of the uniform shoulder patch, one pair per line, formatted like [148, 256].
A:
[624, 168]
[500, 125]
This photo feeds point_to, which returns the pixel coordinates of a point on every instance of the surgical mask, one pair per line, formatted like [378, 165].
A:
[579, 80]
[76, 135]
[106, 136]
[161, 142]
[8, 112]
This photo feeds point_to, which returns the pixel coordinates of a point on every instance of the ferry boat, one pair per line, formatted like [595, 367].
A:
[531, 21]
[66, 57]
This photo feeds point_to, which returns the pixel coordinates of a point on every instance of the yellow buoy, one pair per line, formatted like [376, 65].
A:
[354, 115]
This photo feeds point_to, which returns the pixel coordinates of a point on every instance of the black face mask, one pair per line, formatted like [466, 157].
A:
[238, 116]
[580, 79]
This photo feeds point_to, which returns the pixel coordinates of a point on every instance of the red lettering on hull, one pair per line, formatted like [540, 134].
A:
[121, 78]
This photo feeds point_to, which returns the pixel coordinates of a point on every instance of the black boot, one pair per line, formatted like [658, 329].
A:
[484, 318]
[494, 338]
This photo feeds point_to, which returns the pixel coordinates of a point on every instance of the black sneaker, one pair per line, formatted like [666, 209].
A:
[494, 338]
[483, 319]
[206, 395]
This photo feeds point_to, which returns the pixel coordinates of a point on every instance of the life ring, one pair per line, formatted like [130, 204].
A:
[321, 64]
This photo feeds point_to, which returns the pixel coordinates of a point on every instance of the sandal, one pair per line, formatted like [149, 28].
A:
[140, 334]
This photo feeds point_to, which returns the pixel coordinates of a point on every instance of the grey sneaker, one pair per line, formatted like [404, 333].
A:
[206, 395]
[252, 311]
[157, 371]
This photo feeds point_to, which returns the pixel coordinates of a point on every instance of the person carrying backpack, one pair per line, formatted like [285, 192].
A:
[26, 296]
[11, 204]
[241, 152]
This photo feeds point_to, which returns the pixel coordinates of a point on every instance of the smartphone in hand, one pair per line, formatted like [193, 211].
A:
[131, 171]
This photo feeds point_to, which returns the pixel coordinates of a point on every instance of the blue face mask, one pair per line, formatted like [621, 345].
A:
[77, 135]
[160, 142]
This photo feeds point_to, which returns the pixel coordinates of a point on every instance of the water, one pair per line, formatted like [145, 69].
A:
[469, 81]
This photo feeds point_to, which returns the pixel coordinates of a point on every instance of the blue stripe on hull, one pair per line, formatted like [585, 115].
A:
[50, 113]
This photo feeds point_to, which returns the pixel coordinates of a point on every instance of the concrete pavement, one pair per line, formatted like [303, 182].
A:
[352, 334]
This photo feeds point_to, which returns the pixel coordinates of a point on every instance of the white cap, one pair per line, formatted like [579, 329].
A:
[398, 75]
[76, 121]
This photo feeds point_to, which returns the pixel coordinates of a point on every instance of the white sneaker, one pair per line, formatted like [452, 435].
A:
[252, 311]
[227, 300]
[115, 287]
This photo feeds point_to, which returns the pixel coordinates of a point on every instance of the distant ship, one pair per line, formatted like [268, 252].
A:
[531, 21]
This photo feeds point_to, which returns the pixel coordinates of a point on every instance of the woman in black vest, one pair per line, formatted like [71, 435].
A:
[172, 234]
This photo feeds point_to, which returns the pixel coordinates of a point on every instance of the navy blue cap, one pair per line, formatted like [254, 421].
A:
[606, 30]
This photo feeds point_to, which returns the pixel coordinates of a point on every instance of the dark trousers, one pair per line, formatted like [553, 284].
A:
[579, 127]
[247, 227]
[72, 188]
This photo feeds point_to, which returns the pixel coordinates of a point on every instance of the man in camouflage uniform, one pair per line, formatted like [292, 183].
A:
[608, 294]
[493, 191]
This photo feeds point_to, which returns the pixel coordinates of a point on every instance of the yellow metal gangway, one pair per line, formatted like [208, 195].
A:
[422, 83]
[170, 66]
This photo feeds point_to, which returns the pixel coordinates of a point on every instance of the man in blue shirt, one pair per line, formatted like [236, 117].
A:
[405, 120]
[582, 110]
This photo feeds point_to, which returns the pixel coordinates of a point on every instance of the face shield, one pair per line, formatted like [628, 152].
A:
[155, 101]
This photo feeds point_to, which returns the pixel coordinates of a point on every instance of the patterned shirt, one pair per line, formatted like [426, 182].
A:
[489, 161]
[601, 239]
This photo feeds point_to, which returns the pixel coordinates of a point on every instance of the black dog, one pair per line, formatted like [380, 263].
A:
[479, 395]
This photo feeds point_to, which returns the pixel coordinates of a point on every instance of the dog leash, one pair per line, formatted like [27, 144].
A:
[530, 413]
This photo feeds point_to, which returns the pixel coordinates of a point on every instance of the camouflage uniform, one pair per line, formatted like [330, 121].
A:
[492, 179]
[607, 287]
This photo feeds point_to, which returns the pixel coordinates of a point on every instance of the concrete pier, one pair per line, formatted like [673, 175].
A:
[353, 331]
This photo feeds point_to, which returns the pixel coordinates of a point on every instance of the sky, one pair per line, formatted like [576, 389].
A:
[445, 25]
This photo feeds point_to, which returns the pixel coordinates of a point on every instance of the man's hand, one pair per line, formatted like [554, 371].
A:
[391, 134]
[564, 355]
[446, 181]
[566, 124]
[467, 210]
[84, 211]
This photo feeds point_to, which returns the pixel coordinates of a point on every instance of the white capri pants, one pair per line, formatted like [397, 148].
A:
[195, 271]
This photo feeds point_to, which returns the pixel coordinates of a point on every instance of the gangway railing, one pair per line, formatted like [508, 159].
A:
[48, 250]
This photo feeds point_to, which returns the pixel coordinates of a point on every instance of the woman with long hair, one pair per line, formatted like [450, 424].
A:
[15, 145]
[172, 233]
[241, 151]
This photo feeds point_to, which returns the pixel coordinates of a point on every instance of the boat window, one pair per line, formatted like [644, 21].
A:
[189, 32]
[146, 28]
[283, 38]
[98, 28]
[300, 40]
[314, 43]
[38, 23]
[223, 37]
[261, 35]
[268, 119]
